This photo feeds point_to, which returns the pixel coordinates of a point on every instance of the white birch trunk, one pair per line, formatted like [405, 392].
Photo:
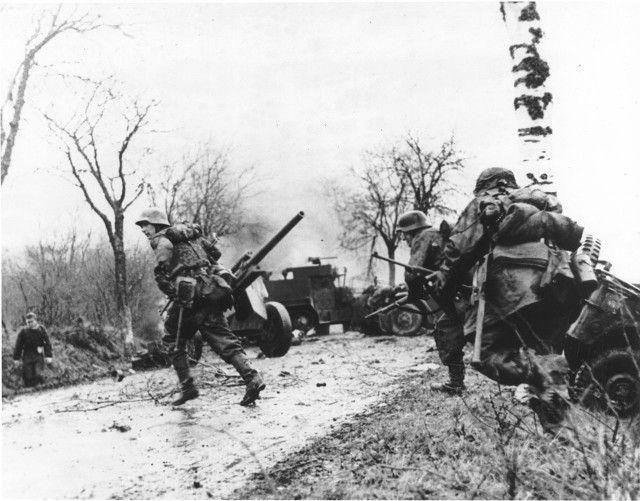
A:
[532, 98]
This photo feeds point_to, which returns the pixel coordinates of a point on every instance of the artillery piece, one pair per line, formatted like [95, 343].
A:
[254, 317]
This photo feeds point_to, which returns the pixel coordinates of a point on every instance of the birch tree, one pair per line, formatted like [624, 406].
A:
[50, 26]
[533, 99]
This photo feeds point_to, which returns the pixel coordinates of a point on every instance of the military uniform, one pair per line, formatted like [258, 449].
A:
[528, 304]
[181, 246]
[426, 251]
[32, 345]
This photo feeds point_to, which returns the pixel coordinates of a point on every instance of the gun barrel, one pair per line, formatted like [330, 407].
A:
[268, 247]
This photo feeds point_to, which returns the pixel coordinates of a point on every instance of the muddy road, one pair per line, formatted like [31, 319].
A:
[123, 440]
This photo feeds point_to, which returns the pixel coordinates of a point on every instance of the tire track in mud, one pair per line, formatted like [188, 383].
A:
[140, 447]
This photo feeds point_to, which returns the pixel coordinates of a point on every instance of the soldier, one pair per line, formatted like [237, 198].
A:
[520, 238]
[426, 244]
[32, 346]
[182, 247]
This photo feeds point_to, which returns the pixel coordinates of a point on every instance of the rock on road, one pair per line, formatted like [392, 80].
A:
[123, 440]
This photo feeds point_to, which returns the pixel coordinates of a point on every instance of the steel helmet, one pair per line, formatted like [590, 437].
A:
[153, 215]
[412, 220]
[494, 177]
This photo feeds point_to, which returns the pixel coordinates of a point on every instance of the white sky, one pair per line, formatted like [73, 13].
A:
[301, 90]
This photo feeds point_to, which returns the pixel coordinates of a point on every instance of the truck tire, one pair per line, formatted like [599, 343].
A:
[303, 319]
[275, 339]
[610, 383]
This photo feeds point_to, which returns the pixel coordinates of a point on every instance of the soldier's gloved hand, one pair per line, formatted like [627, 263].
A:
[439, 280]
[400, 292]
[166, 286]
[48, 360]
[16, 363]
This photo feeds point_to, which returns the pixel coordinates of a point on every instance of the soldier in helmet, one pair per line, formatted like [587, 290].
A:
[426, 244]
[182, 246]
[519, 236]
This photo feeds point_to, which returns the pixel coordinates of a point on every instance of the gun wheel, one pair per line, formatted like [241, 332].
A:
[276, 336]
[610, 383]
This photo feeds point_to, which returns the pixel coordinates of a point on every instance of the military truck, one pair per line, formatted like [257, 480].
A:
[313, 296]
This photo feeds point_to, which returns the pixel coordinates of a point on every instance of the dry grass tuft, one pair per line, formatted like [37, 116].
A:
[424, 445]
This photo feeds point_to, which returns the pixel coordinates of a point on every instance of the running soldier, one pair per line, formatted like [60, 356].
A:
[518, 239]
[426, 244]
[181, 251]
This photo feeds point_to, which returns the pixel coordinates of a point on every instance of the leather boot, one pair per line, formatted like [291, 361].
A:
[455, 385]
[189, 392]
[251, 379]
[181, 366]
[551, 410]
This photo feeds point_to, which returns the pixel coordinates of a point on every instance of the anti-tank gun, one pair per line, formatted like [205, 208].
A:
[253, 315]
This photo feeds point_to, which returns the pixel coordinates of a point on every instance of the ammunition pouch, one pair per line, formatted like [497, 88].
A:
[557, 284]
[214, 291]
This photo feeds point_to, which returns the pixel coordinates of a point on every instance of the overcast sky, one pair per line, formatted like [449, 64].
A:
[301, 90]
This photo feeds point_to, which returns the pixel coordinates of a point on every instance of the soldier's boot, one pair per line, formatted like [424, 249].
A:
[455, 385]
[252, 380]
[546, 383]
[551, 409]
[189, 390]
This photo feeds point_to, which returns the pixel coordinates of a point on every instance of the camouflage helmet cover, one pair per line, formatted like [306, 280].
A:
[412, 220]
[153, 215]
[494, 177]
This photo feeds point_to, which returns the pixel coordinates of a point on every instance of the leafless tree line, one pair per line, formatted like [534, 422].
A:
[67, 277]
[405, 176]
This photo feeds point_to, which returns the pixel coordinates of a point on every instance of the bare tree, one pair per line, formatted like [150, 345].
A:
[102, 171]
[50, 26]
[428, 174]
[45, 278]
[392, 182]
[370, 215]
[205, 189]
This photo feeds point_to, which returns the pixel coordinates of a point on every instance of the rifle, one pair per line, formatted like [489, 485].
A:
[418, 270]
[481, 278]
[400, 304]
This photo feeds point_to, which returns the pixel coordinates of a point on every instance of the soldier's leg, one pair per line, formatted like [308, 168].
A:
[216, 330]
[178, 352]
[29, 371]
[450, 342]
[501, 358]
[38, 367]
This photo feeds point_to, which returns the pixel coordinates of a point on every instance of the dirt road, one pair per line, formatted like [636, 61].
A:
[123, 440]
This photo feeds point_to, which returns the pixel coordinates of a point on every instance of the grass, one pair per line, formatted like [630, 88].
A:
[423, 445]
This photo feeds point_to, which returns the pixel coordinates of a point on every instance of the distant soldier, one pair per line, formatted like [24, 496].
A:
[526, 298]
[32, 346]
[181, 251]
[426, 244]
